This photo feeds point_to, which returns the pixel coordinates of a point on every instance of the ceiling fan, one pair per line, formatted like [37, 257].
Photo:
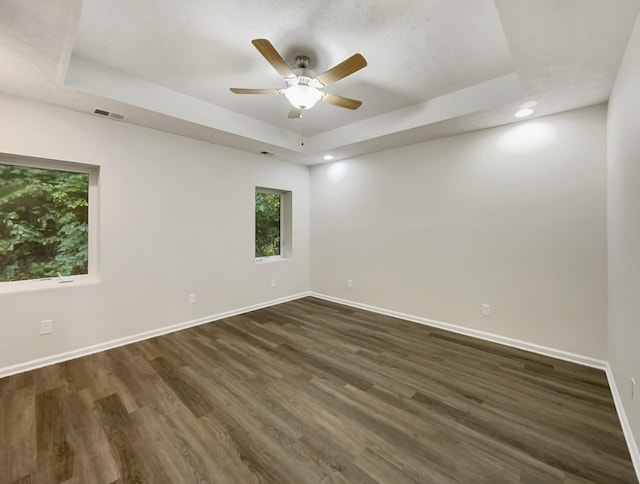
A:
[304, 88]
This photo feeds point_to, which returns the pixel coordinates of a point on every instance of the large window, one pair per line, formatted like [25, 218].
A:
[44, 222]
[273, 224]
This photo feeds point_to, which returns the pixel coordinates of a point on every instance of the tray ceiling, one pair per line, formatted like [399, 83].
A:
[435, 68]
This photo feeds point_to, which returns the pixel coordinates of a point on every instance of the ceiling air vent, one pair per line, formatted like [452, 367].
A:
[107, 114]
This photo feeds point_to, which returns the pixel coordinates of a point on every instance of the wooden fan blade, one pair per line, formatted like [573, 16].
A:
[269, 52]
[238, 90]
[295, 113]
[343, 102]
[344, 69]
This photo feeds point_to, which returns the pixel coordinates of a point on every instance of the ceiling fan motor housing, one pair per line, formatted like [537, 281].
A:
[302, 61]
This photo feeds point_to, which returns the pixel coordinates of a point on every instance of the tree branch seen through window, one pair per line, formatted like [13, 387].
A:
[268, 224]
[43, 223]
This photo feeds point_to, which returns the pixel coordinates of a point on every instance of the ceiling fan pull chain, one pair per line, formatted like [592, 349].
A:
[301, 130]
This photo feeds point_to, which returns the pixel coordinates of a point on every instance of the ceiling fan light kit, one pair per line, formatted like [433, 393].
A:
[303, 89]
[302, 96]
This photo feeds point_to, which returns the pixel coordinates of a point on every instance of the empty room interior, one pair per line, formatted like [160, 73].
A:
[359, 241]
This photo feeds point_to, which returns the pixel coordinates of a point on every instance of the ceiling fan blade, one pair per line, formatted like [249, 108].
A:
[343, 102]
[238, 90]
[295, 113]
[269, 52]
[344, 69]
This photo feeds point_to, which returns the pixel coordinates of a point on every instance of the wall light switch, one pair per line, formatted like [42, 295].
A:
[192, 298]
[273, 283]
[486, 310]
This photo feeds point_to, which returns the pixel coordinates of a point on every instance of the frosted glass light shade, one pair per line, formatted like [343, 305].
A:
[302, 97]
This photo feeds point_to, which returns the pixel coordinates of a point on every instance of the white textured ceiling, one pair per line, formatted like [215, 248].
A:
[435, 67]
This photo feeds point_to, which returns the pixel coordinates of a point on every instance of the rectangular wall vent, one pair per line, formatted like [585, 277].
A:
[107, 114]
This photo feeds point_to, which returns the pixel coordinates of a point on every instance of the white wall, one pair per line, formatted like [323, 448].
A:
[176, 217]
[623, 216]
[433, 230]
[512, 216]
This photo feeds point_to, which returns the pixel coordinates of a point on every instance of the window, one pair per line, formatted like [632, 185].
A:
[44, 220]
[273, 224]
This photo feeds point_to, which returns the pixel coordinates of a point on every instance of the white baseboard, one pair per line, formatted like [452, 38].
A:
[624, 422]
[70, 355]
[495, 338]
[523, 345]
[543, 350]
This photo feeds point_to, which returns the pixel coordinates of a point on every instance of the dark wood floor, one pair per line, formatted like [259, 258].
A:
[310, 391]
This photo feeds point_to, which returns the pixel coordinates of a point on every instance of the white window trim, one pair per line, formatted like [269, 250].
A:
[92, 271]
[47, 283]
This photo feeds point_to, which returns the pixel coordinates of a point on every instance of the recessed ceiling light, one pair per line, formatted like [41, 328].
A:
[529, 105]
[328, 157]
[523, 113]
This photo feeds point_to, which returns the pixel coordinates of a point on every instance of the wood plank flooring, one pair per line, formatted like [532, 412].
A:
[311, 392]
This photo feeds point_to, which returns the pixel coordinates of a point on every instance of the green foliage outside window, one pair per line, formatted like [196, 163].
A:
[43, 223]
[267, 224]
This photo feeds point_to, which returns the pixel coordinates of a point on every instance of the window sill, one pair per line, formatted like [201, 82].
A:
[46, 284]
[270, 260]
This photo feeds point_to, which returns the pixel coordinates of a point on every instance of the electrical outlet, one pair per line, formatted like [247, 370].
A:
[192, 298]
[486, 310]
[633, 388]
[46, 326]
[349, 284]
[273, 283]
